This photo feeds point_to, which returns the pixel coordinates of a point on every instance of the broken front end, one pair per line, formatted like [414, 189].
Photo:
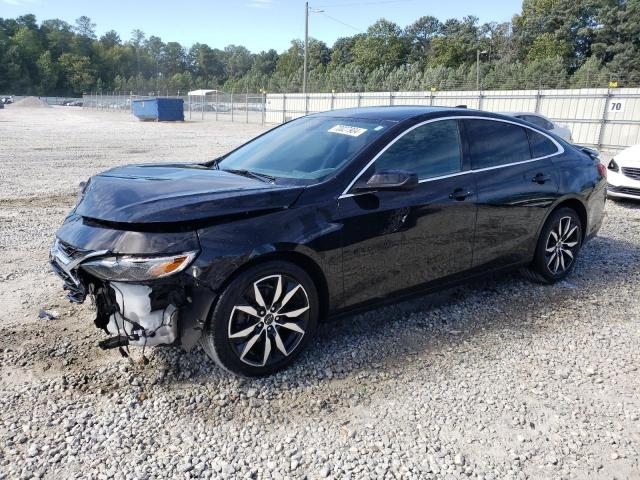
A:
[143, 295]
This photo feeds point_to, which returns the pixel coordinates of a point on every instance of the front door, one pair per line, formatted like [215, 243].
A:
[399, 239]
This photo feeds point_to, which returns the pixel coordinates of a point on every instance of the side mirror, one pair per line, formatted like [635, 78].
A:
[391, 180]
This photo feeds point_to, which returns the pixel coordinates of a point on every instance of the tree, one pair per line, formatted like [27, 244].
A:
[570, 23]
[550, 43]
[342, 52]
[420, 34]
[265, 63]
[546, 46]
[48, 73]
[238, 59]
[58, 35]
[383, 44]
[77, 71]
[457, 44]
[85, 35]
[290, 62]
[85, 27]
[110, 39]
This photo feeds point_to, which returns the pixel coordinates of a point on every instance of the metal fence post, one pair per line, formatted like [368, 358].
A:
[480, 97]
[246, 106]
[264, 106]
[306, 104]
[359, 99]
[231, 106]
[216, 107]
[538, 98]
[390, 98]
[284, 107]
[605, 115]
[332, 97]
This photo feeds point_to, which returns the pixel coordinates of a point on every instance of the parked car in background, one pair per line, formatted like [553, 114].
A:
[7, 100]
[208, 107]
[543, 122]
[323, 215]
[623, 177]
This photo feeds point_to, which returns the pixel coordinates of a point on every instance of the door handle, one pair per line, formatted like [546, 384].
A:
[541, 178]
[460, 194]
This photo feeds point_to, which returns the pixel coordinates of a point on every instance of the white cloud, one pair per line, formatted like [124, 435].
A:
[260, 4]
[19, 3]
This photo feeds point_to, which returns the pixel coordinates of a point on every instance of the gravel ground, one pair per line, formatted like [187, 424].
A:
[496, 379]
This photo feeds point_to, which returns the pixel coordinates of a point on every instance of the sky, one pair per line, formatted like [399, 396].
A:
[256, 24]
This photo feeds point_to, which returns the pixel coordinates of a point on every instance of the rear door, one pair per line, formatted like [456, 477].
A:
[516, 183]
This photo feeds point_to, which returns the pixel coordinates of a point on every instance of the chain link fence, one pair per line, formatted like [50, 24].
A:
[229, 107]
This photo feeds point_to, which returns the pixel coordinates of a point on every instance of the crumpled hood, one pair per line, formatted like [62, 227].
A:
[177, 193]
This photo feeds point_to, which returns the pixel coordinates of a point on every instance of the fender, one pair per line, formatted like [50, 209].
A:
[556, 204]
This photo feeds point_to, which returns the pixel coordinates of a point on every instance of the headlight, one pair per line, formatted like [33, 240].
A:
[613, 166]
[129, 268]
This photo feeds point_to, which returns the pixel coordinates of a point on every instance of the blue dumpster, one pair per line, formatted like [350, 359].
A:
[159, 109]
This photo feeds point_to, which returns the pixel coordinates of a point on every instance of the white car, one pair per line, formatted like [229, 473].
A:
[543, 122]
[623, 174]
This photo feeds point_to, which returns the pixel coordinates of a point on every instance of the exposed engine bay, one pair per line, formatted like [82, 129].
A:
[137, 315]
[142, 314]
[136, 320]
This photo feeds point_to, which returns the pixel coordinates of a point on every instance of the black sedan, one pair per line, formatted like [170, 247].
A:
[321, 216]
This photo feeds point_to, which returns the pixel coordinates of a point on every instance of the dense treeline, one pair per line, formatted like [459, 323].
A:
[551, 43]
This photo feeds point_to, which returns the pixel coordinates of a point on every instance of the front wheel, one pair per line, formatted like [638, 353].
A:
[263, 319]
[558, 247]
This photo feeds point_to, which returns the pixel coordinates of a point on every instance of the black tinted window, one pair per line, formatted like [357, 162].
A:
[541, 146]
[430, 150]
[494, 143]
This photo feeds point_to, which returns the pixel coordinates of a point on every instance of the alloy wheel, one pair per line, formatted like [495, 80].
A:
[562, 245]
[270, 320]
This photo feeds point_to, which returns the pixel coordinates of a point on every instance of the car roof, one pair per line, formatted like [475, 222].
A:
[513, 114]
[399, 113]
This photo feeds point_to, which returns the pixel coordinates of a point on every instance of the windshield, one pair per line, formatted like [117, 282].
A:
[308, 148]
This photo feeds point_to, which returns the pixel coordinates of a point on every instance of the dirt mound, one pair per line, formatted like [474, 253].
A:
[31, 102]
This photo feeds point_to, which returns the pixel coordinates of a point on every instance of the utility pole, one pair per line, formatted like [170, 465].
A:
[306, 46]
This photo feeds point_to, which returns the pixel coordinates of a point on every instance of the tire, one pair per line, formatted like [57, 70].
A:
[551, 262]
[257, 327]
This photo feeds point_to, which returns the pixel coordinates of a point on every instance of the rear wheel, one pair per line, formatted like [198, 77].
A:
[263, 319]
[558, 247]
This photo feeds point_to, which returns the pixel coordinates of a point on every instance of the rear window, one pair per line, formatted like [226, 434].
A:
[541, 146]
[493, 143]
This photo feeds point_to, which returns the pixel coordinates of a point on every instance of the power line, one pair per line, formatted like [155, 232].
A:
[340, 21]
[356, 4]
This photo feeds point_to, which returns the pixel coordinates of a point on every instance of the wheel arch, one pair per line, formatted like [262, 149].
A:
[310, 266]
[574, 203]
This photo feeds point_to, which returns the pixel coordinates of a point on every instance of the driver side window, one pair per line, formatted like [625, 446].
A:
[430, 150]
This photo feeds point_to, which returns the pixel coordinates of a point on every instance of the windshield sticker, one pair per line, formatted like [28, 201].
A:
[378, 128]
[347, 130]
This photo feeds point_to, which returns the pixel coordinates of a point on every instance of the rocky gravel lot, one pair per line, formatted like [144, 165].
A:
[497, 379]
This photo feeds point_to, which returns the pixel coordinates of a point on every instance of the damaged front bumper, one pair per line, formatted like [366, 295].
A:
[171, 310]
